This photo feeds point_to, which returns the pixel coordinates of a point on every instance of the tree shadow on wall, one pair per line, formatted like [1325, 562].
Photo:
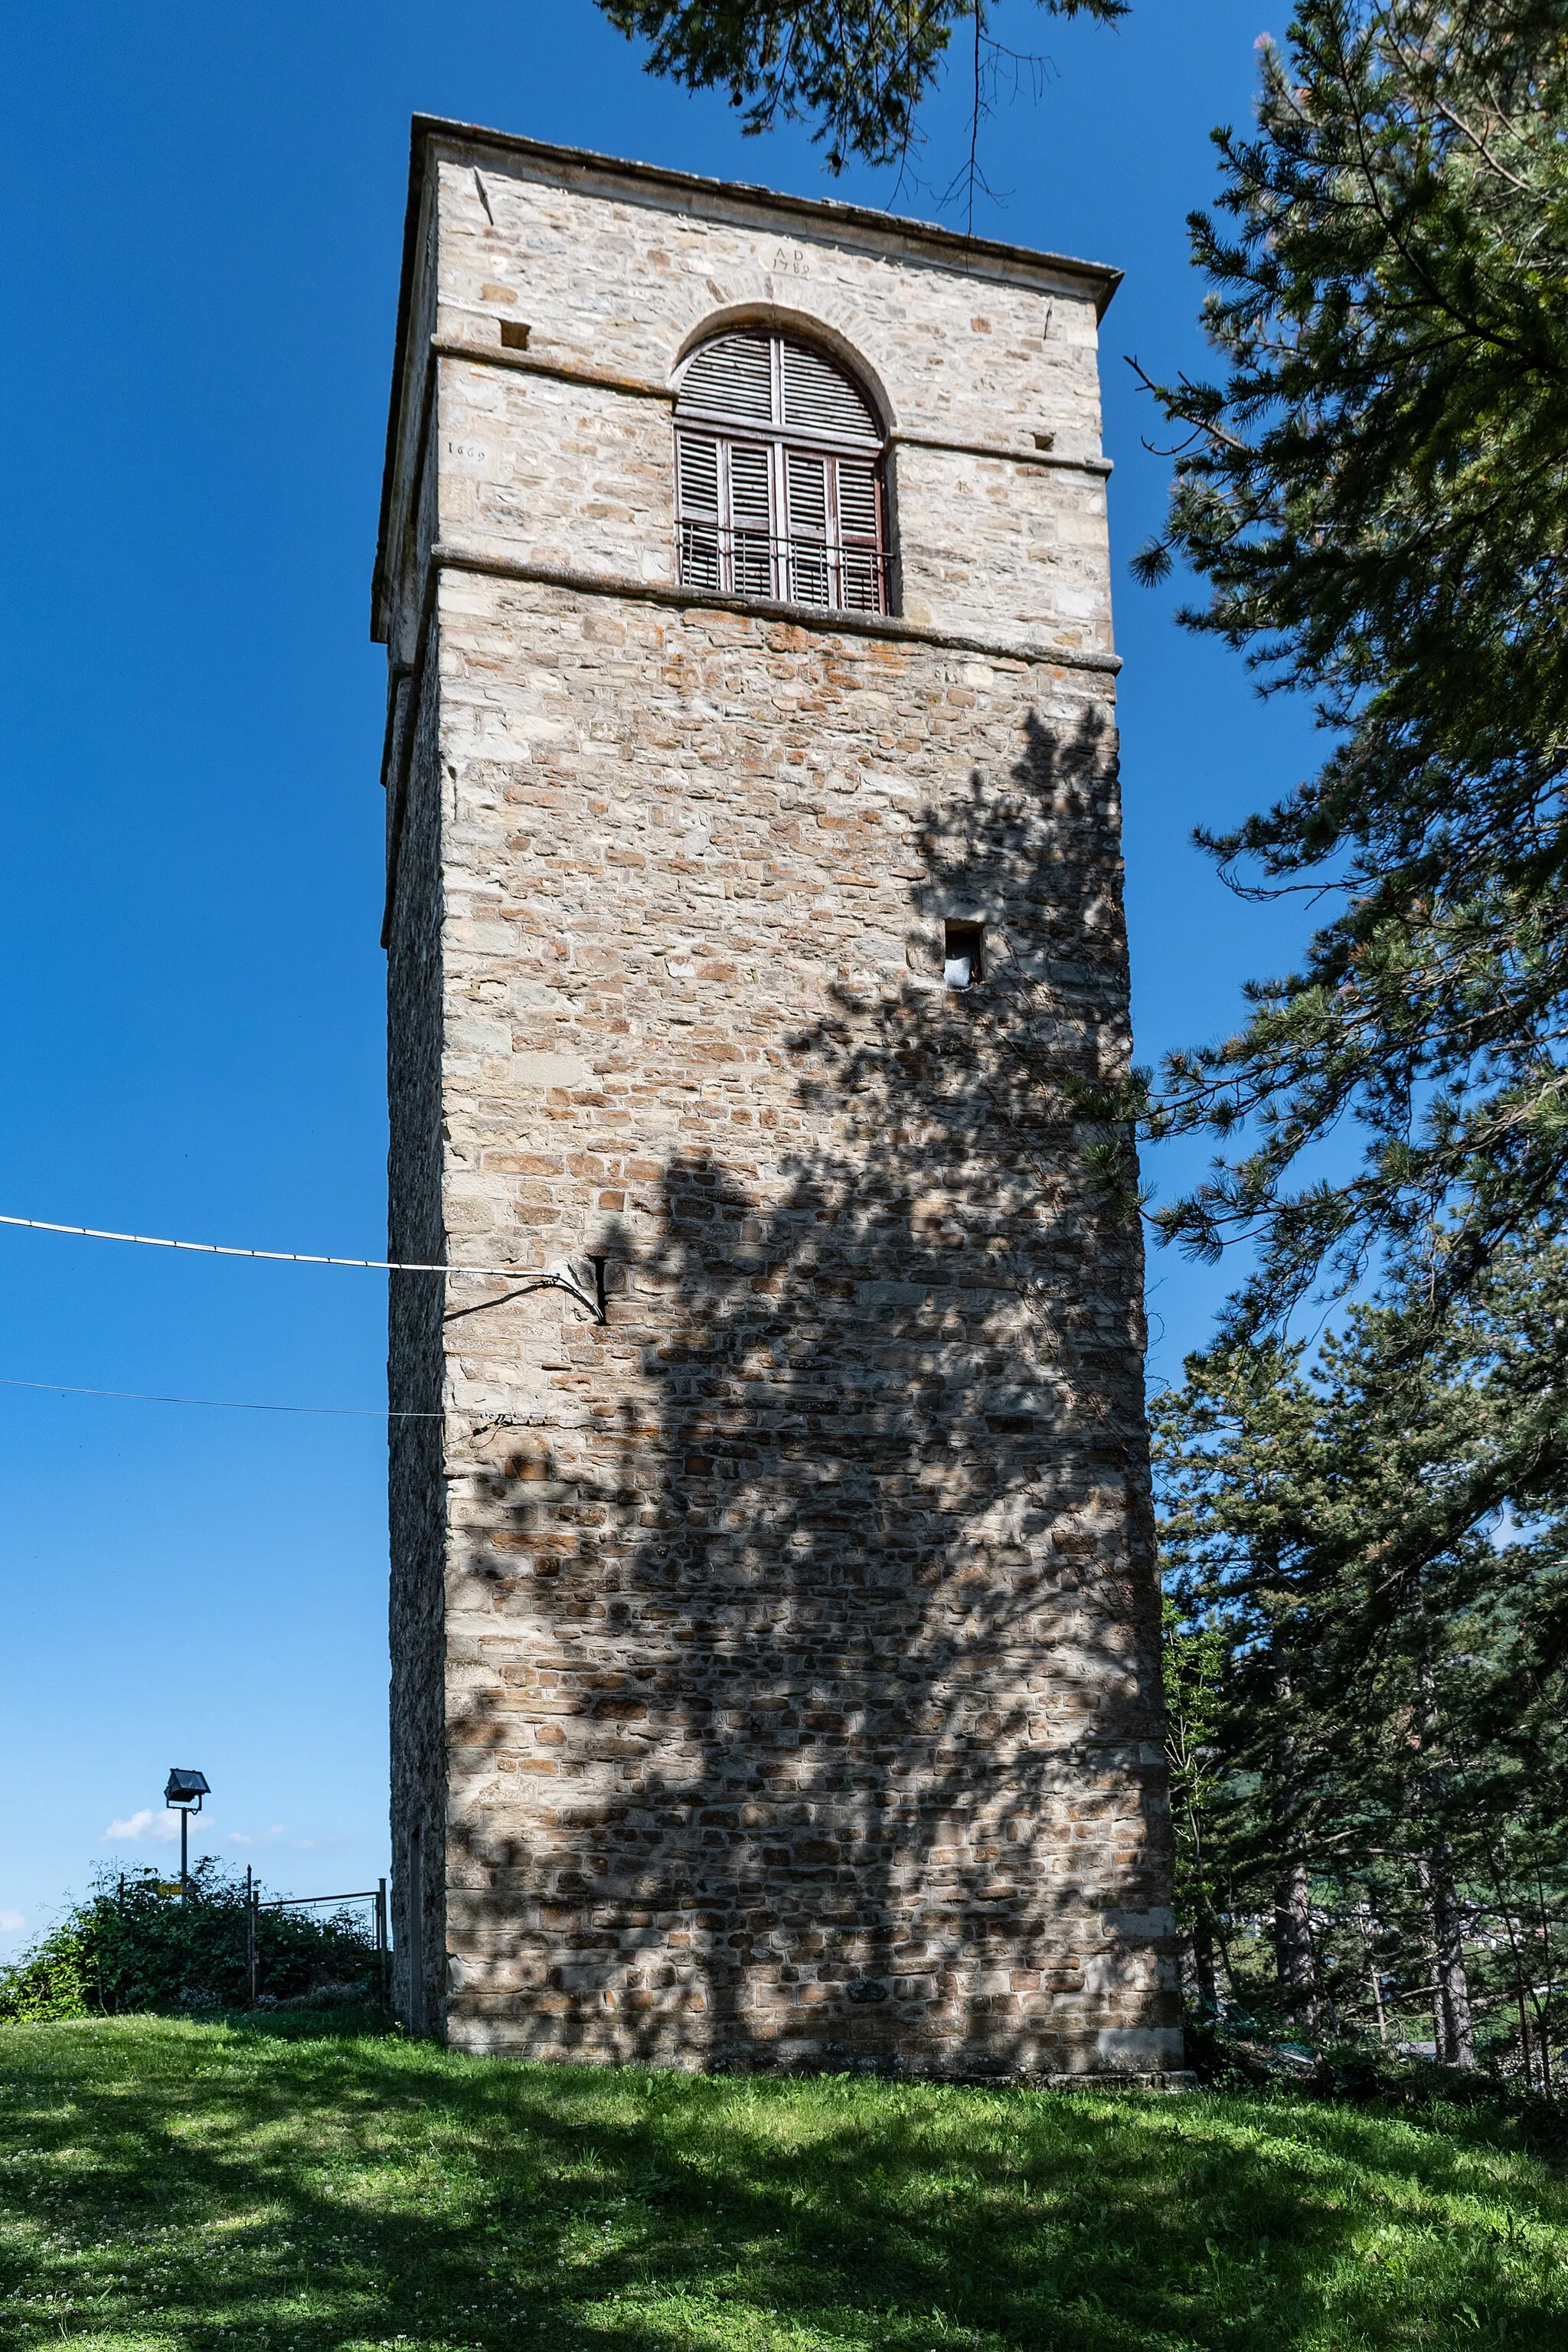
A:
[829, 1662]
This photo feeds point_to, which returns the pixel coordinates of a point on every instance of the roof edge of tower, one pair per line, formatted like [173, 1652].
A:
[429, 128]
[428, 131]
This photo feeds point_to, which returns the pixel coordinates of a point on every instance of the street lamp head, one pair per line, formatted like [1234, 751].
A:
[185, 1788]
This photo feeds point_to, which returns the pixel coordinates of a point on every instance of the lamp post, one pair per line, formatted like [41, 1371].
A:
[186, 1792]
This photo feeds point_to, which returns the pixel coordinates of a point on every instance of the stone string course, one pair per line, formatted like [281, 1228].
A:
[775, 1671]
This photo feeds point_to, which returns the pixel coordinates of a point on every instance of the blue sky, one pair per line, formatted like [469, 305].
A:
[203, 213]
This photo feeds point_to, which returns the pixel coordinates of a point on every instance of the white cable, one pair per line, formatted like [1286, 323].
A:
[533, 1273]
[229, 1405]
[289, 1257]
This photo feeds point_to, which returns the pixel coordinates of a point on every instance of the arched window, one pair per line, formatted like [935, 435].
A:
[779, 488]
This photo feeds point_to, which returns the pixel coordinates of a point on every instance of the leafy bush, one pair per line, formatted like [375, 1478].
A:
[54, 1980]
[132, 1946]
[1366, 2074]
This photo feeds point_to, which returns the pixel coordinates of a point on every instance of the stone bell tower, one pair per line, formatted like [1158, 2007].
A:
[774, 1619]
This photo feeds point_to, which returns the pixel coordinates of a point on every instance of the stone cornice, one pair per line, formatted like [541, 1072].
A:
[634, 387]
[1048, 458]
[821, 620]
[712, 199]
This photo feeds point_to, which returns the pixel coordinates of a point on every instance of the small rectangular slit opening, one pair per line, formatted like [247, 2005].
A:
[513, 335]
[964, 954]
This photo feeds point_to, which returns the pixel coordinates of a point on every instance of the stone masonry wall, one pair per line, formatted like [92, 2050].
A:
[417, 1490]
[789, 1641]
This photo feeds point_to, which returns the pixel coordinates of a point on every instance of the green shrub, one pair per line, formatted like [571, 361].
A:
[1231, 2060]
[130, 1944]
[54, 1980]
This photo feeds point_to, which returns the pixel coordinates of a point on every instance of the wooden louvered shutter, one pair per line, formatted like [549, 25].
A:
[859, 535]
[732, 376]
[700, 510]
[751, 519]
[821, 397]
[778, 489]
[805, 476]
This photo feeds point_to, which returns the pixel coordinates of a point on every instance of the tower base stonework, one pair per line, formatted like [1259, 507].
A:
[775, 1671]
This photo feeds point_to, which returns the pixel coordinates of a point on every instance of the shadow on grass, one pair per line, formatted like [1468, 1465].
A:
[270, 2184]
[350, 2021]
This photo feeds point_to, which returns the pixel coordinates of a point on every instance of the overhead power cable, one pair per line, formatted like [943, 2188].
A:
[534, 1277]
[229, 1405]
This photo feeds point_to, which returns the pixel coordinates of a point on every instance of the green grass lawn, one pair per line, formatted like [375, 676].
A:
[164, 2184]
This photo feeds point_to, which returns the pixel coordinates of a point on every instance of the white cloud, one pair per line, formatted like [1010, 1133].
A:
[163, 1826]
[10, 1921]
[267, 1837]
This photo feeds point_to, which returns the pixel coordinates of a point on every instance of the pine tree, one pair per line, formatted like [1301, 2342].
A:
[1377, 1555]
[857, 71]
[1375, 490]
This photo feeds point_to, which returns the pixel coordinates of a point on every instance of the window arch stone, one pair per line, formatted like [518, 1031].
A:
[780, 489]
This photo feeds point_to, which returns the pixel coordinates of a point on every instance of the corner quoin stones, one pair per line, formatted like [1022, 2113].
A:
[775, 1663]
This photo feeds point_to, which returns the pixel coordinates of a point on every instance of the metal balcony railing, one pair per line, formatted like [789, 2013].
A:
[792, 570]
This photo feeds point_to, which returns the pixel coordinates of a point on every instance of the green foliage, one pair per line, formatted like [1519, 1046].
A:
[1362, 2073]
[857, 71]
[167, 2183]
[1376, 1560]
[132, 1946]
[1194, 1656]
[1376, 491]
[55, 1980]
